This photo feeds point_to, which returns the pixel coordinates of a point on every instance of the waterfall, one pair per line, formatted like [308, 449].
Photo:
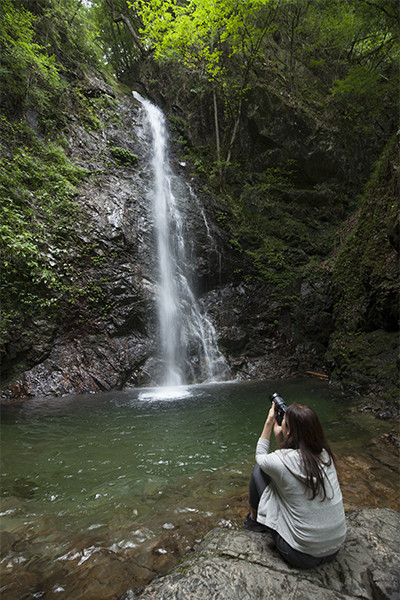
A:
[187, 338]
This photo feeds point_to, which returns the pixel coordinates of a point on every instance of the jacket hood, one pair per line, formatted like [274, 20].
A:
[292, 460]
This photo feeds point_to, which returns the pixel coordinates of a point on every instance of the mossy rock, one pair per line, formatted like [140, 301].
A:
[123, 156]
[366, 361]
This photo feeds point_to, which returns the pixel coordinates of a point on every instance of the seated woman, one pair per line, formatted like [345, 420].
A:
[294, 492]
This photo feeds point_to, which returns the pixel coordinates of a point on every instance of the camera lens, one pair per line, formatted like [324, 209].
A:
[280, 407]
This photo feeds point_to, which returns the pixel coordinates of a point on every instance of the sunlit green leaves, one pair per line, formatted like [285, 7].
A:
[39, 42]
[24, 61]
[202, 33]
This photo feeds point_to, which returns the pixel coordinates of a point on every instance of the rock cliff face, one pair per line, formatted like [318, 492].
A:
[97, 348]
[105, 337]
[242, 565]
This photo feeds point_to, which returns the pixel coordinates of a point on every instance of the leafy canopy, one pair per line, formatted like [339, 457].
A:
[202, 33]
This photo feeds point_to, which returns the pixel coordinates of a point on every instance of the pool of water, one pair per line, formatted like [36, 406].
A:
[100, 492]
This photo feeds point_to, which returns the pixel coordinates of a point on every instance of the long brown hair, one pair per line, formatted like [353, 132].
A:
[307, 436]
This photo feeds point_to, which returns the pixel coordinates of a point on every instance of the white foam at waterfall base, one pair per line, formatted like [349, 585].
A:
[165, 393]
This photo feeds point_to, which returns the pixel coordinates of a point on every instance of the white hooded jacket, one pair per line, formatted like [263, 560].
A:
[316, 527]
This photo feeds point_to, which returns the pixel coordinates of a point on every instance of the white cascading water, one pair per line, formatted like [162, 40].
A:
[189, 349]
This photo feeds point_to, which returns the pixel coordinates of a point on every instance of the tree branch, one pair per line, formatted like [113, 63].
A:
[133, 33]
[381, 8]
[124, 19]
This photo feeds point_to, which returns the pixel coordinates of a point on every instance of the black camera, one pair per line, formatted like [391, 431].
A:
[280, 407]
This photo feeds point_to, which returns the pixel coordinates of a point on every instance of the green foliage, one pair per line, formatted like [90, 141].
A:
[45, 47]
[29, 75]
[68, 31]
[367, 260]
[358, 97]
[38, 218]
[251, 237]
[271, 262]
[279, 228]
[335, 59]
[371, 79]
[89, 110]
[118, 46]
[364, 357]
[219, 41]
[353, 49]
[88, 299]
[199, 33]
[123, 156]
[345, 33]
[42, 44]
[278, 178]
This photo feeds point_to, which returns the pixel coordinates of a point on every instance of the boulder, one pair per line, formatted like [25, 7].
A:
[92, 363]
[244, 565]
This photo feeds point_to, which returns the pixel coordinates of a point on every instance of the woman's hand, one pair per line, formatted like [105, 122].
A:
[271, 414]
[269, 423]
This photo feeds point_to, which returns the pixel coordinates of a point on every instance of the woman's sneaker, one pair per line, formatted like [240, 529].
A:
[253, 525]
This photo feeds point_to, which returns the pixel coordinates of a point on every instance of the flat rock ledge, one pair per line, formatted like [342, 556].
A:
[244, 565]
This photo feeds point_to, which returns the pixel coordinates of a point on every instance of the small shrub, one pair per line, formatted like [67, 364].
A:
[123, 157]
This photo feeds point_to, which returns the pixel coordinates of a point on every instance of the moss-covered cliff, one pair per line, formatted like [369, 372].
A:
[363, 349]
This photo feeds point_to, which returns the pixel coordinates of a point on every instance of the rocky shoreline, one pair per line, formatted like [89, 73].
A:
[244, 565]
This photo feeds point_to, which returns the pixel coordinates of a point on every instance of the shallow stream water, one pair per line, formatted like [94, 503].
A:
[101, 492]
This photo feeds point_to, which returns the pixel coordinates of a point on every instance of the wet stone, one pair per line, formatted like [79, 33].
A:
[244, 565]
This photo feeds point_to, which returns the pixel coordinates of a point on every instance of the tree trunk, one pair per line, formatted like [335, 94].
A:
[233, 136]
[129, 25]
[133, 33]
[221, 184]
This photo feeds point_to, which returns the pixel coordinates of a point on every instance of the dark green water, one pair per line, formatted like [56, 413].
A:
[127, 466]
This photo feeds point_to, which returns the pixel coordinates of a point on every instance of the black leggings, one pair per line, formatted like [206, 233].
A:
[258, 482]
